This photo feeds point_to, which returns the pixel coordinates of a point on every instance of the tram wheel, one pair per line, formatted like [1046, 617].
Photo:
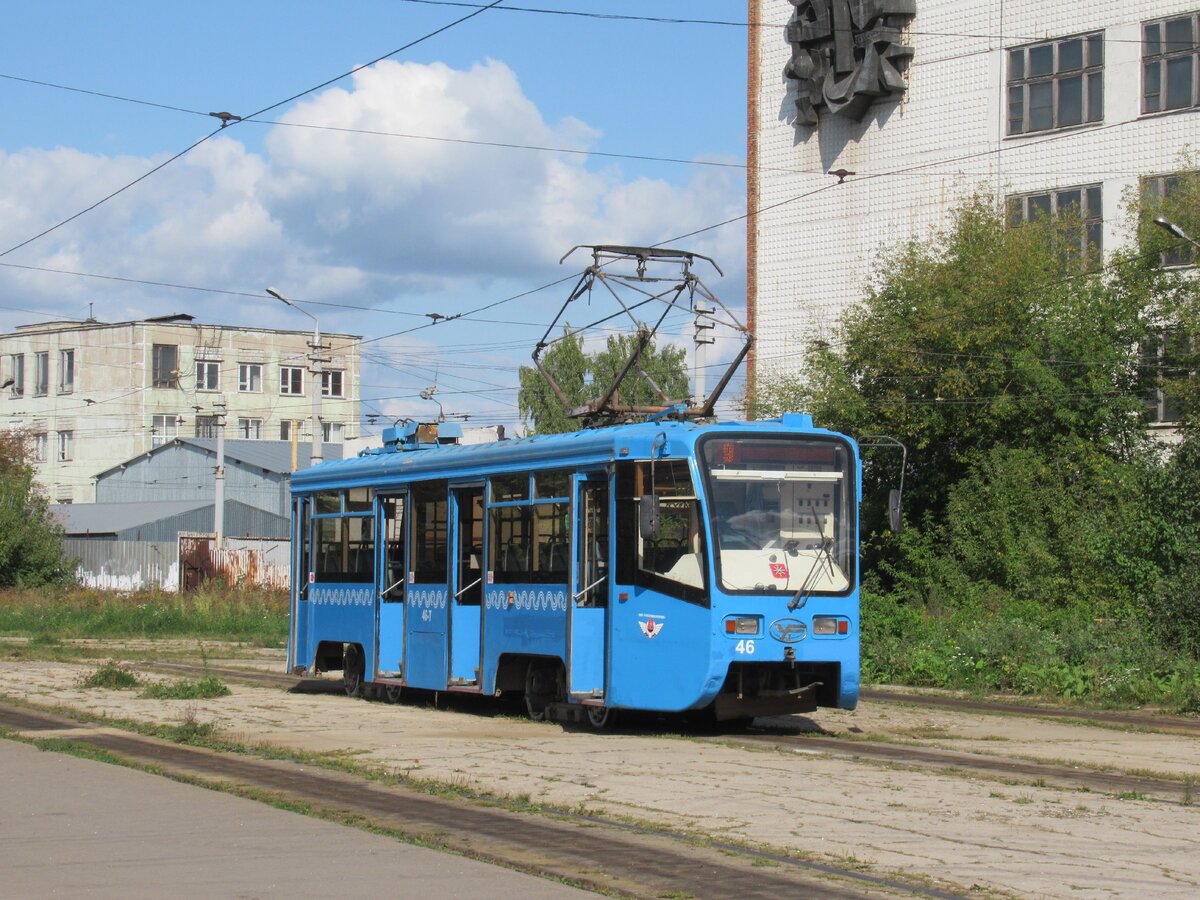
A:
[391, 693]
[600, 717]
[352, 671]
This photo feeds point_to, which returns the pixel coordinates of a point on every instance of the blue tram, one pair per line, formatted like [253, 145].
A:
[663, 566]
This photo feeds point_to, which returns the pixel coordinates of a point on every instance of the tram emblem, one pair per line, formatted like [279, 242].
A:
[779, 570]
[651, 625]
[788, 630]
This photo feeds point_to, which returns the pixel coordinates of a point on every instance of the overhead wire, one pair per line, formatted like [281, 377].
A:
[238, 120]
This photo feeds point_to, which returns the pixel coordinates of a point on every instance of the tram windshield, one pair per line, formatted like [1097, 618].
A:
[782, 512]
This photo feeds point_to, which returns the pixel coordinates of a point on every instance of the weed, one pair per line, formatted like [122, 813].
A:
[1131, 795]
[111, 674]
[187, 689]
[1189, 790]
[1024, 800]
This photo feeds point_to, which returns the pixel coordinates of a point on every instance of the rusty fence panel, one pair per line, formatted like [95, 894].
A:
[241, 562]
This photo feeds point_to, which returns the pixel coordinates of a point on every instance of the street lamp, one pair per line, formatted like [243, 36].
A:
[1174, 230]
[317, 385]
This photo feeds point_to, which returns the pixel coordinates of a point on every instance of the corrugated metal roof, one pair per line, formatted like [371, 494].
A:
[274, 456]
[113, 518]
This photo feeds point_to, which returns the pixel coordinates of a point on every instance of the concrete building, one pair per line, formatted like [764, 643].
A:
[865, 134]
[92, 395]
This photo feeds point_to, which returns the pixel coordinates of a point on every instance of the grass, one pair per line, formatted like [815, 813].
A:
[48, 616]
[204, 688]
[1065, 657]
[112, 675]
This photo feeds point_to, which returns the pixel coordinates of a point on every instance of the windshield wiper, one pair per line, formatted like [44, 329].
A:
[810, 580]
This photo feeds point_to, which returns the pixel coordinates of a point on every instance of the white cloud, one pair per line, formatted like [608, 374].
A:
[354, 218]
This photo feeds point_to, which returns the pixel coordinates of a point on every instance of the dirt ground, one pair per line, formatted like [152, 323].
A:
[981, 835]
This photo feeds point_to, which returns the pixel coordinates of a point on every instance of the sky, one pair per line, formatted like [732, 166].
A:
[377, 198]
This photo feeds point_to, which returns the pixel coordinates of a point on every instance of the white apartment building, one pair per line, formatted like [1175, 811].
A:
[914, 104]
[91, 395]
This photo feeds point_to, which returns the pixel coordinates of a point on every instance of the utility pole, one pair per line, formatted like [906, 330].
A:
[219, 493]
[703, 338]
[315, 359]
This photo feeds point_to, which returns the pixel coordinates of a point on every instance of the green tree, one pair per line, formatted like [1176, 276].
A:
[31, 552]
[583, 376]
[1019, 383]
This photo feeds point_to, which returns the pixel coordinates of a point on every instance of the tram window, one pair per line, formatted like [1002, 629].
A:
[782, 513]
[511, 541]
[345, 549]
[393, 537]
[551, 484]
[328, 502]
[507, 488]
[429, 530]
[553, 542]
[674, 560]
[530, 544]
[358, 500]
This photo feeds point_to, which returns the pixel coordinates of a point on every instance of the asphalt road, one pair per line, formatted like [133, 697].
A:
[72, 827]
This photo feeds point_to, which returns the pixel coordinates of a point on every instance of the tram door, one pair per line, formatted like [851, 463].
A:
[466, 584]
[391, 573]
[590, 589]
[298, 639]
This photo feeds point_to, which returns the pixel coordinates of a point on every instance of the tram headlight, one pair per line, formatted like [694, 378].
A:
[827, 625]
[742, 625]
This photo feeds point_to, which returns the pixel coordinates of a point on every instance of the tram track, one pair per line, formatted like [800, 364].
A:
[1110, 718]
[777, 734]
[591, 851]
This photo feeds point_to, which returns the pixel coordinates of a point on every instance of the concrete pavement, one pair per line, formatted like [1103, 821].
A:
[72, 827]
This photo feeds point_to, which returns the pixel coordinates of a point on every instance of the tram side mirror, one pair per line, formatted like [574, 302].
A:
[894, 510]
[650, 522]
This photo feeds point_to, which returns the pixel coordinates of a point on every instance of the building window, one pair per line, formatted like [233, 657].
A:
[166, 366]
[1170, 64]
[40, 447]
[1156, 190]
[162, 429]
[331, 432]
[41, 373]
[16, 374]
[66, 371]
[332, 383]
[208, 376]
[287, 427]
[1169, 357]
[249, 378]
[250, 429]
[1084, 231]
[291, 380]
[66, 445]
[206, 426]
[1056, 84]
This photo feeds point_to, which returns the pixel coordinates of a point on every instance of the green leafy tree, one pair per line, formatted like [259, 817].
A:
[31, 552]
[583, 376]
[1018, 378]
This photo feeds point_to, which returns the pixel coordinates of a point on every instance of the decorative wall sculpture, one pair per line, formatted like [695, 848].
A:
[846, 54]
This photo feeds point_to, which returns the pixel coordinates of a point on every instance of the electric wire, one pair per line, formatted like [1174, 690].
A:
[238, 121]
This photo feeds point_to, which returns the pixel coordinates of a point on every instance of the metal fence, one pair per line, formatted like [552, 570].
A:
[125, 565]
[170, 565]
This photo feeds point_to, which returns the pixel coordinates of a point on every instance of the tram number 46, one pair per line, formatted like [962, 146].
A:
[745, 647]
[426, 615]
